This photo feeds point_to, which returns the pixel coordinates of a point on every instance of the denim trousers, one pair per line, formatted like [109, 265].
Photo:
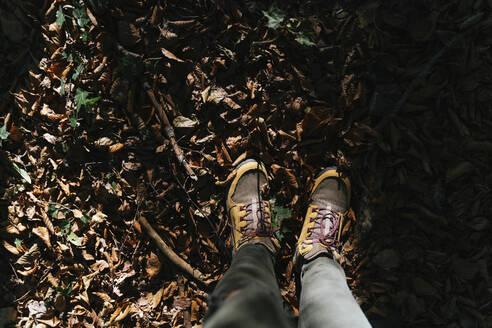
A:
[249, 296]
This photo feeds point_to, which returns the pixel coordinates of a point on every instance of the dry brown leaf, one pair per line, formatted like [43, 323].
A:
[47, 221]
[116, 147]
[28, 257]
[15, 134]
[153, 265]
[170, 55]
[43, 233]
[49, 113]
[195, 311]
[65, 187]
[12, 229]
[100, 265]
[105, 297]
[113, 316]
[283, 173]
[60, 302]
[12, 249]
[53, 322]
[123, 313]
[169, 291]
[157, 298]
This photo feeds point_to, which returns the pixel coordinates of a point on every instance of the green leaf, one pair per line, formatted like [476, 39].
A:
[60, 17]
[80, 16]
[81, 98]
[22, 173]
[65, 227]
[74, 239]
[78, 70]
[84, 35]
[304, 40]
[17, 242]
[281, 213]
[91, 102]
[64, 147]
[85, 219]
[4, 134]
[52, 211]
[73, 122]
[275, 18]
[63, 83]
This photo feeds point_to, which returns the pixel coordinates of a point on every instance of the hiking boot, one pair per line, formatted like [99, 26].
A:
[249, 213]
[330, 199]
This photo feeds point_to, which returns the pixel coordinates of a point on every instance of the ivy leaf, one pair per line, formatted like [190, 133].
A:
[275, 18]
[80, 16]
[91, 102]
[53, 211]
[305, 40]
[17, 242]
[60, 17]
[73, 122]
[63, 84]
[78, 70]
[22, 173]
[85, 219]
[80, 98]
[3, 134]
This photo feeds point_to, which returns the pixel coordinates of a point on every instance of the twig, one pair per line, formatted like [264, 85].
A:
[183, 265]
[198, 208]
[169, 132]
[127, 52]
[426, 71]
[45, 273]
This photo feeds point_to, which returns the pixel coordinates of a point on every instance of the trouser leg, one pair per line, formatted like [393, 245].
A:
[326, 300]
[248, 295]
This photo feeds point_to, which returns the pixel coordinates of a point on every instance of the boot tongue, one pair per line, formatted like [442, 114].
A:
[255, 212]
[329, 205]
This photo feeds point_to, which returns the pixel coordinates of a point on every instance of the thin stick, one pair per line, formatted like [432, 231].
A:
[169, 132]
[183, 265]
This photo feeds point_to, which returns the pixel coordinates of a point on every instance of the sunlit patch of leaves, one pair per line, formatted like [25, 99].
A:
[277, 20]
[82, 101]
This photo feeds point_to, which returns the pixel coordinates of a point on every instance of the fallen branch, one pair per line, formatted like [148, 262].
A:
[169, 132]
[183, 265]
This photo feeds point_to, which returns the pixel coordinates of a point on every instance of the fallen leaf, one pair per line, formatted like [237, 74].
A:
[170, 55]
[50, 138]
[43, 233]
[153, 265]
[184, 122]
[12, 249]
[156, 299]
[49, 113]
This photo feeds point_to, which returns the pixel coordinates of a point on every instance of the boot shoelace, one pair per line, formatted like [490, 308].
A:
[258, 224]
[326, 224]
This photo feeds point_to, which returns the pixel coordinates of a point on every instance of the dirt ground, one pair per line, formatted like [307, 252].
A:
[397, 94]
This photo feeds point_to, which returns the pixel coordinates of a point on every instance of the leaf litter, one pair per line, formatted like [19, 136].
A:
[394, 93]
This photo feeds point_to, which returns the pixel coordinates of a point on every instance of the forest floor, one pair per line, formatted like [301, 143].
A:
[397, 94]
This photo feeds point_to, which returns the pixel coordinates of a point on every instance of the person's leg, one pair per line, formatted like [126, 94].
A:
[248, 295]
[326, 300]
